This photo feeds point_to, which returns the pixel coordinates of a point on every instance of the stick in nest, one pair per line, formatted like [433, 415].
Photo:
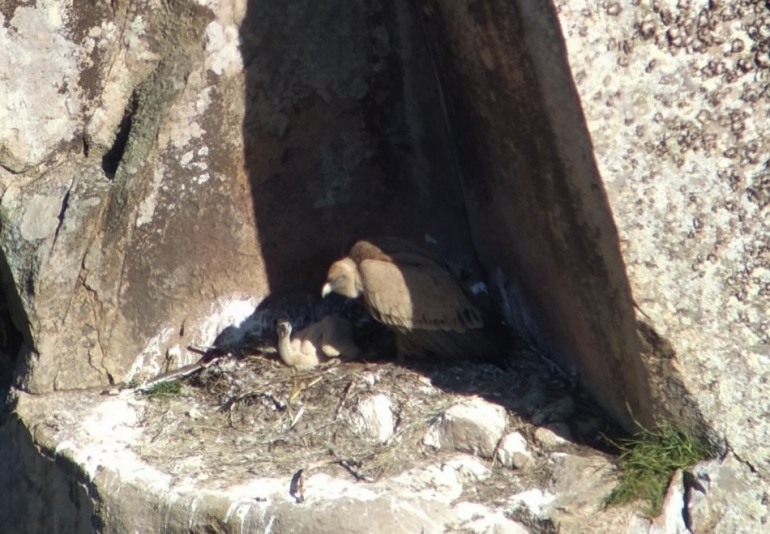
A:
[278, 404]
[353, 470]
[297, 392]
[205, 361]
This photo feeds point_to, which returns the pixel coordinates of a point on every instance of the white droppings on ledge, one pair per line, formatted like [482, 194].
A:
[222, 314]
[150, 356]
[477, 518]
[240, 510]
[233, 312]
[100, 434]
[221, 43]
[322, 488]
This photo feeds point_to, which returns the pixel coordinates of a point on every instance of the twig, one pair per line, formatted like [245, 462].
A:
[202, 349]
[343, 398]
[353, 470]
[299, 390]
[296, 418]
[278, 404]
[181, 372]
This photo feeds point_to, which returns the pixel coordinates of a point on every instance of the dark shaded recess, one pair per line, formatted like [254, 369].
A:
[438, 143]
[327, 167]
[114, 155]
[383, 102]
[13, 326]
[10, 343]
[673, 401]
[537, 207]
[35, 482]
[407, 185]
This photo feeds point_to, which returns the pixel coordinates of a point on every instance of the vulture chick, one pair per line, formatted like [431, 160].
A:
[411, 291]
[328, 338]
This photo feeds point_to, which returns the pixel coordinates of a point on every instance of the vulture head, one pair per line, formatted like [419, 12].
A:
[343, 279]
[283, 328]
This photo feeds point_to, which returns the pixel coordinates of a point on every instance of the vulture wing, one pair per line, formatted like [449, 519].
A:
[408, 290]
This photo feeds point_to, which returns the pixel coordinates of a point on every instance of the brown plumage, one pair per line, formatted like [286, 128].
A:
[411, 290]
[328, 338]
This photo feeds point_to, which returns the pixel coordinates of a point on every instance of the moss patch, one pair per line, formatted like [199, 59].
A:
[163, 390]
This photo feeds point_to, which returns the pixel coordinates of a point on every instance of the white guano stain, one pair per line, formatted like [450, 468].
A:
[222, 314]
[221, 42]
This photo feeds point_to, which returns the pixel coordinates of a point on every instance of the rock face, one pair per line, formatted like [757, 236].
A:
[725, 496]
[512, 451]
[675, 97]
[165, 164]
[475, 426]
[195, 156]
[116, 250]
[536, 205]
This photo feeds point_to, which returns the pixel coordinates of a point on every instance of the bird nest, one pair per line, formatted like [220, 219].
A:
[253, 416]
[299, 417]
[243, 412]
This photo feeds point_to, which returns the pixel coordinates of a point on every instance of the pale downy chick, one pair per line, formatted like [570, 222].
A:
[328, 338]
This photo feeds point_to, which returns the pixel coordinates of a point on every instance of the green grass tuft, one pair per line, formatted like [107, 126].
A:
[163, 390]
[648, 461]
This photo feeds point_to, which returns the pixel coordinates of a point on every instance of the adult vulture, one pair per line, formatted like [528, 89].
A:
[411, 290]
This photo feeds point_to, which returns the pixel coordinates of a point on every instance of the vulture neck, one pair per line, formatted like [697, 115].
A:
[358, 285]
[285, 350]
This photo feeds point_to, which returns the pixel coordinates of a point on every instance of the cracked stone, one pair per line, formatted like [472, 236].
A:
[727, 496]
[474, 426]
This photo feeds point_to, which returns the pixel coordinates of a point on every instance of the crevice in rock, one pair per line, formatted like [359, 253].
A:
[672, 400]
[180, 28]
[86, 145]
[112, 158]
[745, 462]
[12, 169]
[11, 340]
[139, 127]
[29, 284]
[690, 483]
[14, 328]
[64, 205]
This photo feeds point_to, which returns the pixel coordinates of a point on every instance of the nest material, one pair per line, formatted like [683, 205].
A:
[259, 417]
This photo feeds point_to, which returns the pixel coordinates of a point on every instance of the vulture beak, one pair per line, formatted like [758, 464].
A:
[326, 289]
